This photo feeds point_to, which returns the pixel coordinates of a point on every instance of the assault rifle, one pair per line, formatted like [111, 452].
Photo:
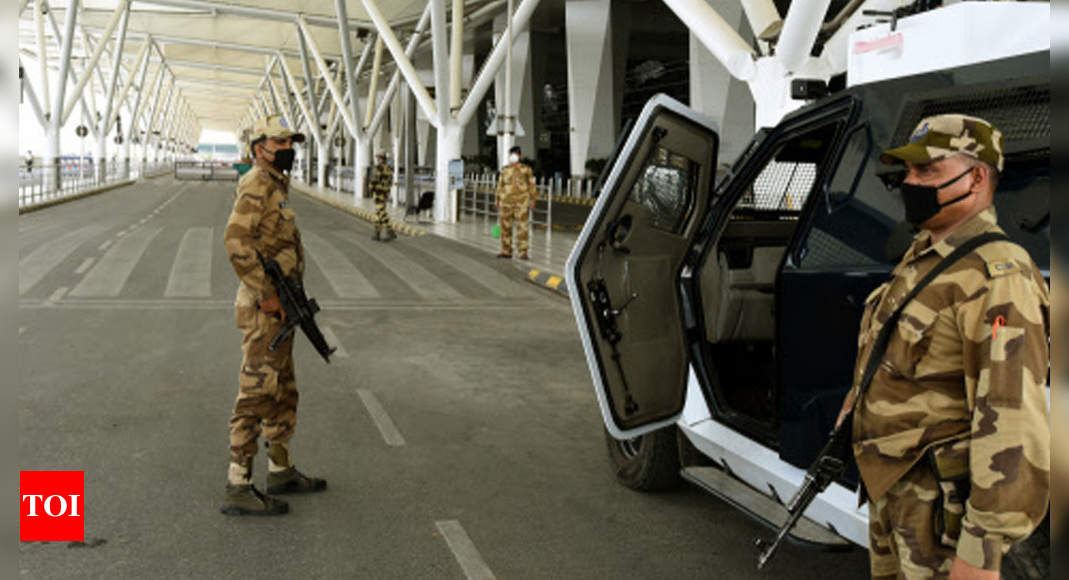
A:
[300, 310]
[826, 468]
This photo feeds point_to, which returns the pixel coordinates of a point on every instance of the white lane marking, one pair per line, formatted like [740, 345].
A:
[21, 330]
[48, 255]
[497, 282]
[332, 340]
[109, 276]
[191, 273]
[57, 295]
[85, 266]
[344, 278]
[464, 550]
[389, 431]
[106, 245]
[415, 276]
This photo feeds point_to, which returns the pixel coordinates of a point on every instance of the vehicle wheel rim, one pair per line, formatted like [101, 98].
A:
[631, 447]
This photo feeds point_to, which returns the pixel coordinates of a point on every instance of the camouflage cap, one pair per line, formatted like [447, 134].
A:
[941, 136]
[274, 126]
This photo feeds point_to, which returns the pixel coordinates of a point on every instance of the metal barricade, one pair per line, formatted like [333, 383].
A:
[205, 171]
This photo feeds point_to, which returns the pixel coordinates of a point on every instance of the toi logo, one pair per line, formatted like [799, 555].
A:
[51, 506]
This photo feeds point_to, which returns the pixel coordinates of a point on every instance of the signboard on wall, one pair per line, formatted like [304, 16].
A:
[456, 174]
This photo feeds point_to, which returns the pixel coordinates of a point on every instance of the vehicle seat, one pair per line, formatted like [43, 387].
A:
[739, 302]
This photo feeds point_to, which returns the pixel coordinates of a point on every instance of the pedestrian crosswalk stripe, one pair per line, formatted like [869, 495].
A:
[109, 275]
[344, 278]
[418, 278]
[47, 256]
[191, 273]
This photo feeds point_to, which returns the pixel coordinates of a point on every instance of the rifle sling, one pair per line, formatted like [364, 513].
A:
[882, 339]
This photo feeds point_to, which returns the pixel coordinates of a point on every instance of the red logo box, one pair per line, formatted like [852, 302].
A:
[52, 506]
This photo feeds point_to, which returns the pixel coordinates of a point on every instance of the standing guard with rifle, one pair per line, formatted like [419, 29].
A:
[947, 418]
[264, 247]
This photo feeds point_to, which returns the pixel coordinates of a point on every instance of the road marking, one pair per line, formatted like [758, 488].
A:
[109, 276]
[497, 282]
[38, 263]
[191, 273]
[415, 276]
[389, 431]
[21, 330]
[464, 550]
[346, 280]
[85, 266]
[106, 245]
[57, 295]
[332, 340]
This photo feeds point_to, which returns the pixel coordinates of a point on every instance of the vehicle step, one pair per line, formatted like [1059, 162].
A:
[761, 507]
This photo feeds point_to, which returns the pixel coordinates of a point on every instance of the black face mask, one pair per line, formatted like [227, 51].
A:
[922, 201]
[284, 159]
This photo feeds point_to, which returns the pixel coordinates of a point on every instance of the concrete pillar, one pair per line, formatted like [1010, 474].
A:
[714, 92]
[591, 104]
[423, 140]
[323, 158]
[449, 142]
[522, 106]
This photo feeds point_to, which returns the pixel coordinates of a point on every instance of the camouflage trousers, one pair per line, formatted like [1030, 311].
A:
[267, 388]
[382, 219]
[511, 213]
[903, 544]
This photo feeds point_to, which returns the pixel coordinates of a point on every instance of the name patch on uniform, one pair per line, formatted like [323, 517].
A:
[1002, 268]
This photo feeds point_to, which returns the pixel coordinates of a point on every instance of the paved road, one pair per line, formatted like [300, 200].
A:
[457, 426]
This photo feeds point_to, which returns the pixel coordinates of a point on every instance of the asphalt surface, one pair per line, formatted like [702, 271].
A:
[128, 360]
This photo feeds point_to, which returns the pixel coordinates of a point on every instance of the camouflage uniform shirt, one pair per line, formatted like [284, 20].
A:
[381, 181]
[968, 364]
[262, 221]
[516, 185]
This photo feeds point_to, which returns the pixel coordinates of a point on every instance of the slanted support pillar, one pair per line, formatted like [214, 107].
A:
[591, 107]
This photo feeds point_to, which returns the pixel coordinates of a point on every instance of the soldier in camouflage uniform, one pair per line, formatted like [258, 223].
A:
[262, 223]
[380, 185]
[952, 437]
[516, 194]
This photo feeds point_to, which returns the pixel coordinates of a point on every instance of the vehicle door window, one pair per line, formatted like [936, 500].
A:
[666, 189]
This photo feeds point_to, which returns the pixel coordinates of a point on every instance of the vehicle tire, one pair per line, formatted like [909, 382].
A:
[646, 463]
[1030, 559]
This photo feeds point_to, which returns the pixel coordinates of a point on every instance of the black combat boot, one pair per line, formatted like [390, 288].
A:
[293, 481]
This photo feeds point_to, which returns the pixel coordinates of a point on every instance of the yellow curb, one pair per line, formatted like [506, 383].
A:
[533, 274]
[553, 282]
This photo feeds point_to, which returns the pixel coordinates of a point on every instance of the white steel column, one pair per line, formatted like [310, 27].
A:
[101, 152]
[515, 99]
[714, 92]
[591, 107]
[52, 147]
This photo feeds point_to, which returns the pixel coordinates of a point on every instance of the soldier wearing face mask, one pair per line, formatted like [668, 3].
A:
[952, 437]
[263, 224]
[515, 198]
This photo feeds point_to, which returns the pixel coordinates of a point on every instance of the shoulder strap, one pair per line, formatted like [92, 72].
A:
[882, 339]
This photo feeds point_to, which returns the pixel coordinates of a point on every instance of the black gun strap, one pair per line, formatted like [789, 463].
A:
[882, 339]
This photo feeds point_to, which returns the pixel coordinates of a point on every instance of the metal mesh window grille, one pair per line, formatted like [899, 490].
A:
[1021, 113]
[781, 187]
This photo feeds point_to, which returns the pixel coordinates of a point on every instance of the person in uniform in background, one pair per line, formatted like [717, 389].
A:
[29, 161]
[381, 182]
[952, 437]
[515, 197]
[263, 224]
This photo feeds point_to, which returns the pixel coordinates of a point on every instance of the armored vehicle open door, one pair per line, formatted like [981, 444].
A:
[623, 272]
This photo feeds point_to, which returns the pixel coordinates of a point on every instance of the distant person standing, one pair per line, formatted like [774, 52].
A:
[381, 182]
[516, 195]
[29, 161]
